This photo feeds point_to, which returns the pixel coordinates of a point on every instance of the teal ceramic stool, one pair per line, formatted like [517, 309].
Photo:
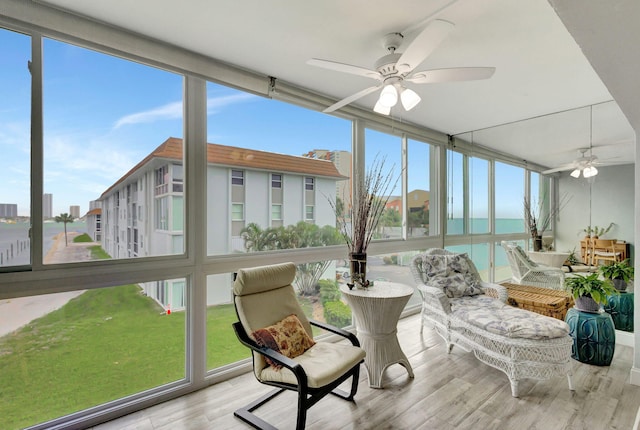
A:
[620, 307]
[594, 337]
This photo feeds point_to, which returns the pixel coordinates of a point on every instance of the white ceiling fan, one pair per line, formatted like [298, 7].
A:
[585, 164]
[394, 69]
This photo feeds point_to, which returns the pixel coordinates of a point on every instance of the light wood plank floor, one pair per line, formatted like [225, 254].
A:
[453, 391]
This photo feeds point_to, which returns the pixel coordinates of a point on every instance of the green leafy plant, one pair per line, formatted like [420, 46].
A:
[621, 270]
[573, 258]
[601, 231]
[590, 285]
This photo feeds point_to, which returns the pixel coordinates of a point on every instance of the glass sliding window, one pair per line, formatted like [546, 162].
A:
[478, 195]
[420, 200]
[455, 193]
[110, 126]
[509, 198]
[15, 147]
[88, 347]
[385, 150]
[249, 137]
[479, 254]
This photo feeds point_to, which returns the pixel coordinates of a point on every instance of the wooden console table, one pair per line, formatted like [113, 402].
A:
[376, 310]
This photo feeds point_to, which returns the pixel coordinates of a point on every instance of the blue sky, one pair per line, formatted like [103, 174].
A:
[102, 115]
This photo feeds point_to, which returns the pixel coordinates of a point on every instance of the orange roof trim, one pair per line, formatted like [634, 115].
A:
[242, 157]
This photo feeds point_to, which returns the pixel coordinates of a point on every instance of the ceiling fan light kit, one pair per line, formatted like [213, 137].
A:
[393, 69]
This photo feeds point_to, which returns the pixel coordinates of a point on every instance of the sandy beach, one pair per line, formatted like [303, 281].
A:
[15, 313]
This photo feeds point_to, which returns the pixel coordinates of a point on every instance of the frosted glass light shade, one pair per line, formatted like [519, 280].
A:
[576, 173]
[388, 96]
[589, 172]
[409, 99]
[379, 108]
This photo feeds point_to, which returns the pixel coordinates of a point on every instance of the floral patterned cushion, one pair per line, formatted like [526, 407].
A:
[499, 318]
[288, 337]
[452, 274]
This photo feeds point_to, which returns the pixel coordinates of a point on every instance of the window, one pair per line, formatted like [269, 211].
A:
[162, 180]
[15, 105]
[420, 200]
[309, 213]
[103, 110]
[509, 198]
[276, 212]
[162, 213]
[276, 180]
[455, 193]
[309, 184]
[237, 211]
[478, 195]
[237, 177]
[177, 178]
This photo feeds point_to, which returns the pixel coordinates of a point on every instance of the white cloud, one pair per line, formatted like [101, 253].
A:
[168, 111]
[214, 104]
[174, 110]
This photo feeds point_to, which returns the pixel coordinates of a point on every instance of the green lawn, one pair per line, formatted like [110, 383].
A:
[103, 345]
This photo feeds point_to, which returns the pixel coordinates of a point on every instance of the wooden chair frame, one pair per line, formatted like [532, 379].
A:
[604, 250]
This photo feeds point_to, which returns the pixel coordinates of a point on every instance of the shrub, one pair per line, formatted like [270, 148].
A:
[329, 291]
[390, 259]
[337, 314]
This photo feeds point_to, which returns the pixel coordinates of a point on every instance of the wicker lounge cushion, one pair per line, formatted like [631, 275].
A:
[499, 318]
[451, 274]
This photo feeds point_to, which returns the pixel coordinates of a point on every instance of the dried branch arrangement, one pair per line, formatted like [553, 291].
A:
[370, 200]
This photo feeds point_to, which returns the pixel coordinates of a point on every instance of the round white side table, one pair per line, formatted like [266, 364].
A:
[376, 311]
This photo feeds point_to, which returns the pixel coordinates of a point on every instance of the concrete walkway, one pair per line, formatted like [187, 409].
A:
[15, 313]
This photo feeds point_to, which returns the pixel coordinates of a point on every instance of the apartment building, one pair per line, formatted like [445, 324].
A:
[142, 214]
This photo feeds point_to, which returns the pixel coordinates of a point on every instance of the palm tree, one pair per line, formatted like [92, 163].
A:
[65, 218]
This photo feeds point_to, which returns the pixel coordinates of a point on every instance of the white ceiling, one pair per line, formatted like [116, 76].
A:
[540, 70]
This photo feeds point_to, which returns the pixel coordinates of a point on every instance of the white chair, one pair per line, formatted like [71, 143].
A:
[526, 272]
[520, 343]
[265, 302]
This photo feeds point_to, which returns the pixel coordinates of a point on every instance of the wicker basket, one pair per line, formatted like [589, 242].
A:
[545, 301]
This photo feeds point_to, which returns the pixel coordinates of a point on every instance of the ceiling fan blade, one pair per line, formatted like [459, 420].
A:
[454, 74]
[345, 68]
[423, 45]
[351, 98]
[559, 169]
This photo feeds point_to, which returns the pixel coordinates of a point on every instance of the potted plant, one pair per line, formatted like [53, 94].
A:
[589, 292]
[619, 273]
[359, 222]
[598, 232]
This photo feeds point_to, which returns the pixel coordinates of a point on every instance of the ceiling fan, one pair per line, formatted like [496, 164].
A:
[394, 69]
[585, 164]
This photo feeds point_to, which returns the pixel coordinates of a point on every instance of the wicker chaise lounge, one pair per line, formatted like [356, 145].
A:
[473, 315]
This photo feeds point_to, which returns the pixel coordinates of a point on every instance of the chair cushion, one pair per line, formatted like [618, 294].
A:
[287, 336]
[323, 363]
[499, 318]
[451, 274]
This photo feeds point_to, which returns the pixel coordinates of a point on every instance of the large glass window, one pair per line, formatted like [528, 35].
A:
[479, 195]
[15, 144]
[292, 161]
[420, 196]
[455, 193]
[80, 349]
[509, 198]
[385, 150]
[104, 116]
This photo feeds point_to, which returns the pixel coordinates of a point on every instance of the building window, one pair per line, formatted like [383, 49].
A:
[237, 212]
[309, 184]
[276, 180]
[177, 178]
[162, 183]
[276, 212]
[162, 213]
[308, 212]
[237, 177]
